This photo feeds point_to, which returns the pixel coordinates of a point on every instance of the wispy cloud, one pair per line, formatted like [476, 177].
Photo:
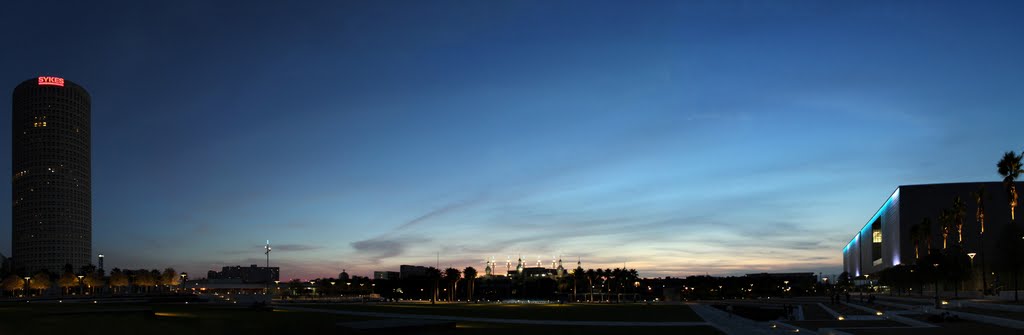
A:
[377, 249]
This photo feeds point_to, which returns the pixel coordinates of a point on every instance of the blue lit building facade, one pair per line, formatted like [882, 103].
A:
[885, 239]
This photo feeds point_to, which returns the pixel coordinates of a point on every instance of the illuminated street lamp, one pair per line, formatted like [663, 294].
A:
[27, 278]
[80, 291]
[936, 265]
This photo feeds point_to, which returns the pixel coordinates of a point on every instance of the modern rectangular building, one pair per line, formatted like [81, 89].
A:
[251, 274]
[886, 240]
[386, 275]
[412, 271]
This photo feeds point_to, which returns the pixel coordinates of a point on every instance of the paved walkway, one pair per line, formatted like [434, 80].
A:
[493, 320]
[734, 325]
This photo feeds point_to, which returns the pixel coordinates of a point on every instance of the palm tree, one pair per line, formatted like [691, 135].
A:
[926, 233]
[435, 275]
[470, 274]
[591, 275]
[979, 198]
[915, 237]
[1010, 168]
[945, 225]
[452, 275]
[577, 275]
[959, 215]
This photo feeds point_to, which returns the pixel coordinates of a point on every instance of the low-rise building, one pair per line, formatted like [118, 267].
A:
[240, 274]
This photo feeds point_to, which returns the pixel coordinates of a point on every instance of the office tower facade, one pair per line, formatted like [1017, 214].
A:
[52, 191]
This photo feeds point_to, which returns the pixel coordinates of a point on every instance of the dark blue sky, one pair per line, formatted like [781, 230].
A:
[677, 137]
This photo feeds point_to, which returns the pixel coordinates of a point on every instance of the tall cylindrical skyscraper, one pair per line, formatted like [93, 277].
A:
[52, 190]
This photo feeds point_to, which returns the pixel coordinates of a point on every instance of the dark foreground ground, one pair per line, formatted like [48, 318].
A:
[153, 319]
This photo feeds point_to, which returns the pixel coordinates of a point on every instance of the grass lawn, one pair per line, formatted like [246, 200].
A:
[168, 319]
[571, 312]
[108, 319]
[502, 329]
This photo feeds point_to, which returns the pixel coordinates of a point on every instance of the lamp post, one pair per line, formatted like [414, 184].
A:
[937, 305]
[181, 284]
[80, 291]
[971, 255]
[27, 278]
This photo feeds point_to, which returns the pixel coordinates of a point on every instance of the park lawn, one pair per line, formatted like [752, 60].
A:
[40, 318]
[167, 319]
[568, 312]
[472, 328]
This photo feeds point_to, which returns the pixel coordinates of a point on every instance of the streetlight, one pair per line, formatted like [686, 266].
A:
[80, 291]
[936, 265]
[182, 283]
[27, 278]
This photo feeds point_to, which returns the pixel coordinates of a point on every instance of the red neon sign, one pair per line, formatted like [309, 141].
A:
[52, 81]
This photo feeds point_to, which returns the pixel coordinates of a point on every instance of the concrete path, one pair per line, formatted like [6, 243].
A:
[494, 320]
[734, 325]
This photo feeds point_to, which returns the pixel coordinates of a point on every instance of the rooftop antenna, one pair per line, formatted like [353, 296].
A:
[266, 249]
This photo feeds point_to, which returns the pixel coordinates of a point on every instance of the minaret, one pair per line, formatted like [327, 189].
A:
[560, 271]
[508, 265]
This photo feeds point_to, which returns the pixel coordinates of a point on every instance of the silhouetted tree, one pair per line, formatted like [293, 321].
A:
[452, 276]
[926, 234]
[470, 274]
[41, 281]
[435, 276]
[1010, 168]
[959, 215]
[979, 215]
[13, 283]
[169, 278]
[67, 281]
[945, 225]
[118, 280]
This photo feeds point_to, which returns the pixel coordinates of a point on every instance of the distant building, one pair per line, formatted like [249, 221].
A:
[4, 266]
[556, 270]
[251, 274]
[51, 184]
[386, 275]
[412, 271]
